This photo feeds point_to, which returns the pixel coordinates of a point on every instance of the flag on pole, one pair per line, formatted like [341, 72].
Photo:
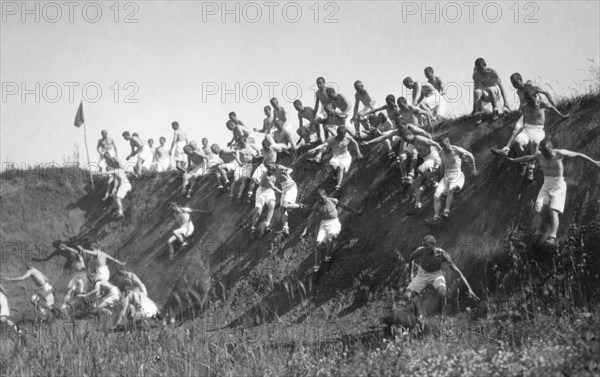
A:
[79, 116]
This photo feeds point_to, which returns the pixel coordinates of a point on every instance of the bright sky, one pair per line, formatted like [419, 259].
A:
[181, 57]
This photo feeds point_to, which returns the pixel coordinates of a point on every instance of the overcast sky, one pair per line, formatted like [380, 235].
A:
[193, 61]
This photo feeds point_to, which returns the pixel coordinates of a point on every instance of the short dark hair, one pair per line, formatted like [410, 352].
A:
[407, 80]
[297, 102]
[232, 114]
[516, 76]
[175, 124]
[126, 134]
[479, 62]
[428, 69]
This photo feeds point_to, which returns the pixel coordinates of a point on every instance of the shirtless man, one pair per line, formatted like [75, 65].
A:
[138, 306]
[434, 80]
[424, 96]
[43, 299]
[139, 148]
[151, 146]
[243, 175]
[278, 111]
[338, 100]
[77, 286]
[105, 145]
[185, 226]
[453, 179]
[289, 192]
[411, 115]
[196, 166]
[554, 189]
[534, 119]
[334, 119]
[325, 210]
[320, 95]
[161, 160]
[488, 88]
[180, 140]
[102, 271]
[239, 130]
[361, 96]
[342, 158]
[128, 281]
[528, 133]
[108, 296]
[428, 149]
[268, 122]
[265, 195]
[118, 184]
[430, 259]
[306, 130]
[282, 140]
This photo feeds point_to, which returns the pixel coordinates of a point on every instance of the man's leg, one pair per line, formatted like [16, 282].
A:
[417, 188]
[270, 211]
[441, 290]
[554, 221]
[437, 199]
[320, 246]
[256, 216]
[449, 200]
[232, 189]
[170, 243]
[119, 203]
[340, 176]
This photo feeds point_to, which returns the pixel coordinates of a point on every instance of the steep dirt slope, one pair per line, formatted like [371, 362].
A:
[268, 278]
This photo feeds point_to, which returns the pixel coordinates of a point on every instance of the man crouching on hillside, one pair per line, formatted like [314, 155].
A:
[430, 259]
[185, 226]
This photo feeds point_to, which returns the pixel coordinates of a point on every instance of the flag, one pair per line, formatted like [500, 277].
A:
[79, 116]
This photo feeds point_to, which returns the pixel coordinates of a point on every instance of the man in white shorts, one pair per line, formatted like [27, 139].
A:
[180, 140]
[306, 130]
[139, 149]
[282, 140]
[118, 184]
[105, 145]
[519, 139]
[487, 89]
[453, 179]
[161, 160]
[438, 84]
[243, 173]
[77, 286]
[5, 310]
[185, 227]
[102, 271]
[430, 259]
[196, 167]
[424, 96]
[534, 119]
[342, 158]
[289, 193]
[265, 196]
[361, 96]
[108, 296]
[43, 299]
[554, 189]
[325, 210]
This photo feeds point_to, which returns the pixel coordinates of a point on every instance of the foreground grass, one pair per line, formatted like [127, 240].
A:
[544, 346]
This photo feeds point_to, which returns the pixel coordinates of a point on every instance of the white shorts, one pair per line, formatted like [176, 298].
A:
[343, 161]
[4, 309]
[186, 229]
[433, 101]
[424, 278]
[160, 166]
[244, 171]
[145, 156]
[431, 162]
[123, 189]
[328, 230]
[102, 273]
[451, 181]
[553, 192]
[197, 171]
[102, 160]
[535, 133]
[46, 292]
[264, 196]
[497, 95]
[144, 309]
[179, 154]
[289, 192]
[231, 166]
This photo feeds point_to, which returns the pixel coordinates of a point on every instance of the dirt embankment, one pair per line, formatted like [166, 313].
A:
[267, 278]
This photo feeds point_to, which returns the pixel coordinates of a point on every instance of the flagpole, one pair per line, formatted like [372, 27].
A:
[88, 156]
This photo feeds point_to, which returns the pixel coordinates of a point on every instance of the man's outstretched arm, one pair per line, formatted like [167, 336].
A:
[567, 153]
[518, 160]
[462, 277]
